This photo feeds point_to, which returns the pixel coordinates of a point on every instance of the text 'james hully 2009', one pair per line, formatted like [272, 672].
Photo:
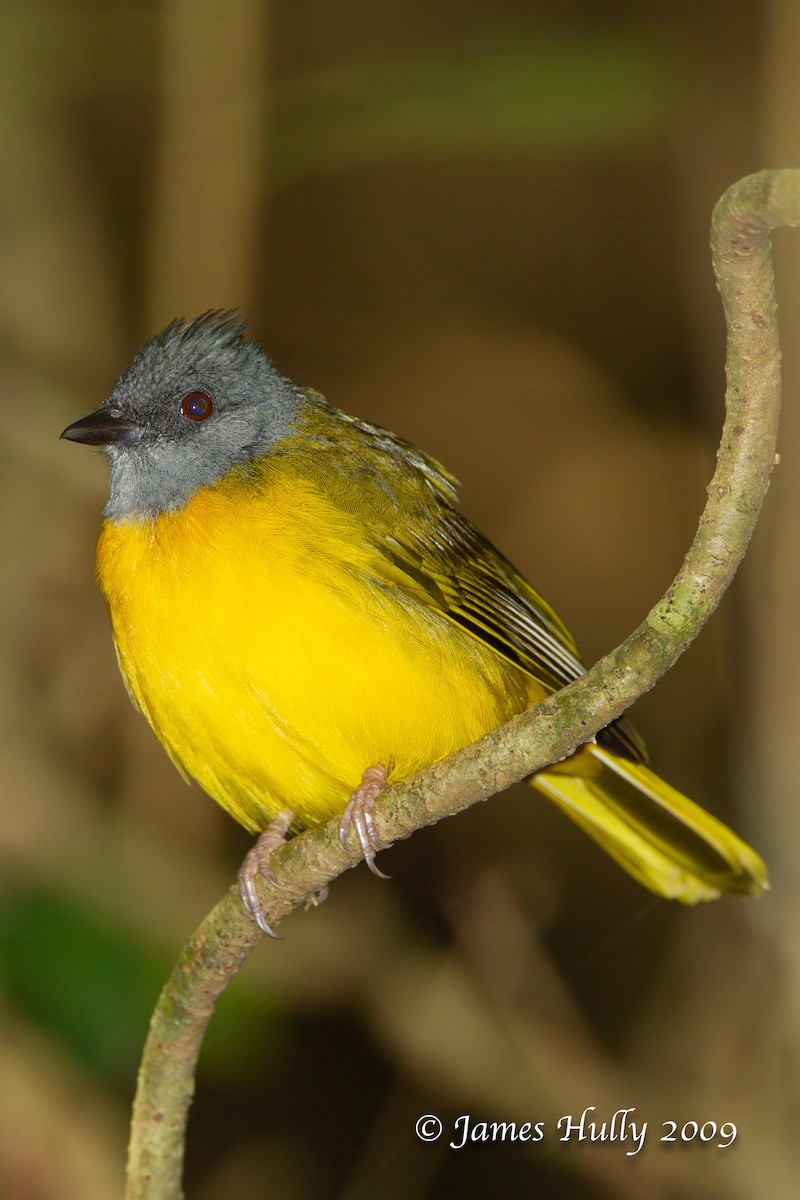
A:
[623, 1128]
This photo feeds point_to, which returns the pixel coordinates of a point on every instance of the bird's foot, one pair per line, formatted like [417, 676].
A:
[358, 816]
[257, 862]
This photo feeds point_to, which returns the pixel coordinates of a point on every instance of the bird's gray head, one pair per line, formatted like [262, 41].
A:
[194, 402]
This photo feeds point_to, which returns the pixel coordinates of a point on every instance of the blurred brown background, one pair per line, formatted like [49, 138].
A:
[485, 227]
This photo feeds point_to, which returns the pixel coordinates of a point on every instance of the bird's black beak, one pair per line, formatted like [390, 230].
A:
[102, 428]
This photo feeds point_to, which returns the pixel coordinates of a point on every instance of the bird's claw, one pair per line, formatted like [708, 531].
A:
[359, 817]
[257, 862]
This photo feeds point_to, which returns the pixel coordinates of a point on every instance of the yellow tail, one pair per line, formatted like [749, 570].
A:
[661, 838]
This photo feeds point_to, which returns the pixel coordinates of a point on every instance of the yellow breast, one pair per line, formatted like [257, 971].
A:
[272, 664]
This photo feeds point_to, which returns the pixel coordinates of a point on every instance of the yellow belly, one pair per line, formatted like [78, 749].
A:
[272, 666]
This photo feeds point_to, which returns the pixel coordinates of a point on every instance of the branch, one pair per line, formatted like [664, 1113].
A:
[741, 225]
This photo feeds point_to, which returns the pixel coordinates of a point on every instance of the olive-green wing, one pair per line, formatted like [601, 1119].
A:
[461, 574]
[467, 580]
[404, 502]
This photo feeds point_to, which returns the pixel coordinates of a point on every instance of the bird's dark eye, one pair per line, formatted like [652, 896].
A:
[197, 406]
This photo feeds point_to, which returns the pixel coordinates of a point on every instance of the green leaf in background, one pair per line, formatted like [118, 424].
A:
[560, 93]
[94, 987]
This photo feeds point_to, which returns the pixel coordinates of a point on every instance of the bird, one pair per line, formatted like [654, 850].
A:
[301, 612]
